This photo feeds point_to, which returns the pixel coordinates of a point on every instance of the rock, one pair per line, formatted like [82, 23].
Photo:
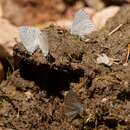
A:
[101, 17]
[8, 33]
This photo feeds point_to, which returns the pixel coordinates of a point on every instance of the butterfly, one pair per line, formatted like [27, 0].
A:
[82, 25]
[72, 104]
[32, 38]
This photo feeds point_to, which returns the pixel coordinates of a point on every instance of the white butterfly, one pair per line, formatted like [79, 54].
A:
[82, 25]
[32, 38]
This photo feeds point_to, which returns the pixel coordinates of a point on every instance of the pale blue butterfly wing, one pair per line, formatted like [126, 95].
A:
[72, 104]
[32, 38]
[79, 16]
[82, 24]
[29, 38]
[43, 43]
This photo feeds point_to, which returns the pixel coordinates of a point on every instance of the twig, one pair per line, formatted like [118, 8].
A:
[127, 57]
[114, 30]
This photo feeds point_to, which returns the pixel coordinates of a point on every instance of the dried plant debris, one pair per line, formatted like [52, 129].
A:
[72, 104]
[104, 59]
[128, 55]
[82, 25]
[32, 38]
[116, 29]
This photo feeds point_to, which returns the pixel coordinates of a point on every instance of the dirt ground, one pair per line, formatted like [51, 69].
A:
[32, 98]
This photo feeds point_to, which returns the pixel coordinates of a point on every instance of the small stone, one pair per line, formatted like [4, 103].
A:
[104, 100]
[28, 95]
[101, 17]
[8, 34]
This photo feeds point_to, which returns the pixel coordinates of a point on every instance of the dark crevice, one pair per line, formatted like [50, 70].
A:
[111, 122]
[125, 95]
[89, 82]
[8, 66]
[53, 79]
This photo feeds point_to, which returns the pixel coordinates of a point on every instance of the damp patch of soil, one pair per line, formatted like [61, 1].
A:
[33, 96]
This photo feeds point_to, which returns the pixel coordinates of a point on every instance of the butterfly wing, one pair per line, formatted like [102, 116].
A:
[43, 43]
[29, 38]
[32, 38]
[72, 104]
[82, 24]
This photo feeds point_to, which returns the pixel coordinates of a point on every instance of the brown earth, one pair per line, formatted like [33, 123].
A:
[33, 96]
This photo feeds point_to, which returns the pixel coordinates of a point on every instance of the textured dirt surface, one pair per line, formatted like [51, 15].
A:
[33, 96]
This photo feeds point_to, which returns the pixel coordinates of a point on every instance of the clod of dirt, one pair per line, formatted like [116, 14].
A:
[60, 68]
